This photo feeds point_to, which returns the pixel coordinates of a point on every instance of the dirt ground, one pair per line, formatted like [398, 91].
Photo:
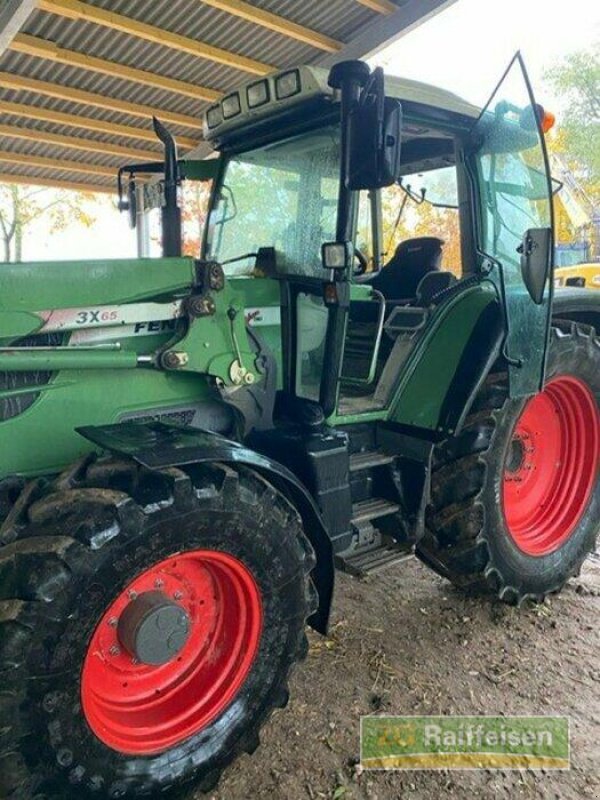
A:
[406, 642]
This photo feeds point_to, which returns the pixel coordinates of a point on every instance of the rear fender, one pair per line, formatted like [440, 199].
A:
[156, 445]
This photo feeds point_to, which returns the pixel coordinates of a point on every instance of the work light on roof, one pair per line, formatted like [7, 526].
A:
[231, 105]
[257, 94]
[287, 85]
[214, 116]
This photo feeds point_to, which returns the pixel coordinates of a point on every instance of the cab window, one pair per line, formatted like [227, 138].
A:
[423, 206]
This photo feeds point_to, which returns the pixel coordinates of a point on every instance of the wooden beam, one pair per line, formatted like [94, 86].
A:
[381, 6]
[20, 83]
[74, 9]
[89, 124]
[273, 22]
[40, 48]
[51, 183]
[72, 143]
[29, 160]
[13, 15]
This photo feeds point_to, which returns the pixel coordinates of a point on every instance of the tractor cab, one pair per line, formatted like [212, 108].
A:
[371, 257]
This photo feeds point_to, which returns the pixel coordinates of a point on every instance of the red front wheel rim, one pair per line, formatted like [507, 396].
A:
[552, 465]
[140, 708]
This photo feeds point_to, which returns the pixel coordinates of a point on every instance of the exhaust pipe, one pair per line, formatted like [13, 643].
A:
[170, 211]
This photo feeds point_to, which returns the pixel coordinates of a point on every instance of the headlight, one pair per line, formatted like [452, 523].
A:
[231, 105]
[258, 94]
[287, 85]
[596, 280]
[214, 116]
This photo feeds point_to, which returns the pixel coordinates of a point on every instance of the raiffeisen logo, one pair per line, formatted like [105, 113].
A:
[465, 743]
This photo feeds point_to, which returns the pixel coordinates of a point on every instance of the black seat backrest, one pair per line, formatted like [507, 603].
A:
[413, 259]
[432, 284]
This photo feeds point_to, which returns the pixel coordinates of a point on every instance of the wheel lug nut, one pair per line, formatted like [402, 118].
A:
[159, 583]
[131, 594]
[113, 622]
[114, 650]
[177, 595]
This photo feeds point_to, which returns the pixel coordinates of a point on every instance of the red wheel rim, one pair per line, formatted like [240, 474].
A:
[552, 466]
[139, 708]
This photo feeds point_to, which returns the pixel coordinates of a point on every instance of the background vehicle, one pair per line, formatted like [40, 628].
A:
[187, 446]
[581, 275]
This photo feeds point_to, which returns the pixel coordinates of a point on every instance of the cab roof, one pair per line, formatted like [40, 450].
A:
[281, 91]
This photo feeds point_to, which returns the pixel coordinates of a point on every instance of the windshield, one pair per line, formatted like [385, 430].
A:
[282, 195]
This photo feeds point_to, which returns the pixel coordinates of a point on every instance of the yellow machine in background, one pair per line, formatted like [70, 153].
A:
[585, 276]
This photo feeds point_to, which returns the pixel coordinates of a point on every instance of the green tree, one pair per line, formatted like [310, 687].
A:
[20, 206]
[577, 79]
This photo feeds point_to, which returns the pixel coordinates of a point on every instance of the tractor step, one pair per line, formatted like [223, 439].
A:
[373, 508]
[365, 561]
[369, 459]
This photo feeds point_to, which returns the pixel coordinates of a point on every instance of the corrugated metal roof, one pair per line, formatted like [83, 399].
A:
[341, 20]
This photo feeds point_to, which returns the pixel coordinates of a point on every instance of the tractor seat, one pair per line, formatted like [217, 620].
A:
[431, 285]
[412, 261]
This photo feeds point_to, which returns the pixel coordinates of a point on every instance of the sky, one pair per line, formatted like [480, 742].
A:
[464, 49]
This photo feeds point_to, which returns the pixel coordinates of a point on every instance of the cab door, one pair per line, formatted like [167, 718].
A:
[515, 221]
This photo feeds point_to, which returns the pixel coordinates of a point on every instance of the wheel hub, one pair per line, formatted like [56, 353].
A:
[551, 466]
[153, 629]
[172, 651]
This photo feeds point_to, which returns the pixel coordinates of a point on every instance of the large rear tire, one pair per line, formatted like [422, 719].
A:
[515, 505]
[148, 625]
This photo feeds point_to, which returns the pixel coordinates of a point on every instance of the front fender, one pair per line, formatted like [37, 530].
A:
[156, 445]
[577, 305]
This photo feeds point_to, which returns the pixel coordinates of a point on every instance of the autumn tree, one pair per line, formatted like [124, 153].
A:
[20, 206]
[195, 197]
[577, 79]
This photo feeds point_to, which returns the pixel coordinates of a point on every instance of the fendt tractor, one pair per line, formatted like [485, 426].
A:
[189, 447]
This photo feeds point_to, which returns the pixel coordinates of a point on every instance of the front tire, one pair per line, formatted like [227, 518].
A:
[215, 557]
[516, 495]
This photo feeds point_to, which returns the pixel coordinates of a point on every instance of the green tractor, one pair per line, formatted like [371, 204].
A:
[190, 447]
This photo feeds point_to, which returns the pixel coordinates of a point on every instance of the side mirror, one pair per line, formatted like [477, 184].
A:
[375, 128]
[129, 204]
[536, 253]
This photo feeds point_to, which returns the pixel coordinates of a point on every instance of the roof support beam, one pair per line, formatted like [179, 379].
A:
[381, 6]
[72, 143]
[20, 83]
[51, 183]
[28, 160]
[385, 29]
[89, 124]
[76, 10]
[13, 16]
[273, 22]
[40, 48]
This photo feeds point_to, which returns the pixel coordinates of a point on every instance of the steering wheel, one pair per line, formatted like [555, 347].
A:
[363, 262]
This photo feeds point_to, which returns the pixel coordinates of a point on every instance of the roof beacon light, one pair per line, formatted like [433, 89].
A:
[548, 121]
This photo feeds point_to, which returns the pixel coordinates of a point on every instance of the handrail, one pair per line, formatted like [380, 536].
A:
[373, 365]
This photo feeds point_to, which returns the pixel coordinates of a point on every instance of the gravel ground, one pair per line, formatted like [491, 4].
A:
[406, 642]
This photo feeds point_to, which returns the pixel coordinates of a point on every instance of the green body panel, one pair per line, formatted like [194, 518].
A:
[78, 358]
[38, 286]
[99, 384]
[43, 439]
[429, 372]
[212, 344]
[424, 380]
